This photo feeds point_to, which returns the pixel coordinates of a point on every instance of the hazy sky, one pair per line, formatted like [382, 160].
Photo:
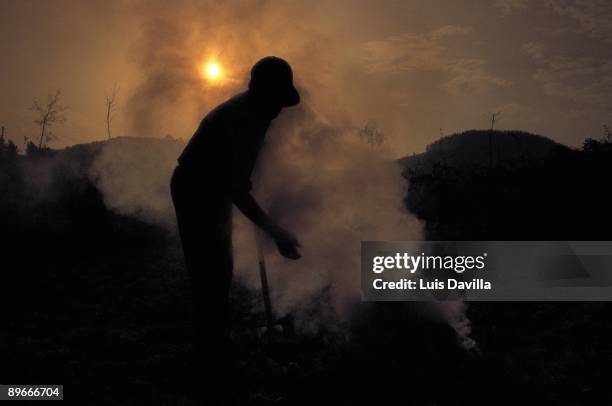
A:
[414, 66]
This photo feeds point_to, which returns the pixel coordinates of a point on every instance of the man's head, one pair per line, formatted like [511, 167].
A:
[272, 83]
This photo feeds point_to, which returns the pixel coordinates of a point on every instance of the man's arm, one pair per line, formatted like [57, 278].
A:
[251, 209]
[285, 241]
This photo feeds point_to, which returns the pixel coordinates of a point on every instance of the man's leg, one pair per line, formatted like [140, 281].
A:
[210, 269]
[205, 232]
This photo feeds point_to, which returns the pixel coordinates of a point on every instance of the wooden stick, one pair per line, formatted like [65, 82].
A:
[265, 290]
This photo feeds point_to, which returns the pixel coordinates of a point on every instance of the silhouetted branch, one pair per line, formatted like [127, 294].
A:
[47, 115]
[111, 107]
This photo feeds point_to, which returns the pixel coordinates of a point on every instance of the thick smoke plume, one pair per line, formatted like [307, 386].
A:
[315, 175]
[333, 190]
[134, 174]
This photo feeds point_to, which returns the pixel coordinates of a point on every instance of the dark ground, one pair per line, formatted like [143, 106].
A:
[99, 302]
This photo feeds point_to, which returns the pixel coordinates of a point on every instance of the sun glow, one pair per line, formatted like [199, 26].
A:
[211, 71]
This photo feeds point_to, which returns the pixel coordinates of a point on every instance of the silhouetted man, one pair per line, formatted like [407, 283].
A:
[214, 171]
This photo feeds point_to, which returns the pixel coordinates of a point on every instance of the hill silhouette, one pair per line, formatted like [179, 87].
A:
[485, 148]
[536, 189]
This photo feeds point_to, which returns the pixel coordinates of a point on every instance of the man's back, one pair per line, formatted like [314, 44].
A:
[223, 150]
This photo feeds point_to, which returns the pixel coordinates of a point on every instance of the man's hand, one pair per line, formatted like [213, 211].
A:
[286, 242]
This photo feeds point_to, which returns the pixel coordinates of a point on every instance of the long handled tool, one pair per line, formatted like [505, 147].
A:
[285, 322]
[263, 276]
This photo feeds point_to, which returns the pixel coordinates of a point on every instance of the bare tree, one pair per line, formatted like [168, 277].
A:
[494, 119]
[371, 134]
[111, 107]
[48, 114]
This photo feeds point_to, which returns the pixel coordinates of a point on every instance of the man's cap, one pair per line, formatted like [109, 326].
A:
[274, 75]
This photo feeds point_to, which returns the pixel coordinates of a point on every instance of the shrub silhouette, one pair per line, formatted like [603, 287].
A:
[554, 193]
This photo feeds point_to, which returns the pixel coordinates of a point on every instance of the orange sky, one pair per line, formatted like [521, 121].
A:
[415, 67]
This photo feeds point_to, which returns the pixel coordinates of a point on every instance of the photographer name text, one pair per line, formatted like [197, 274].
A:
[412, 264]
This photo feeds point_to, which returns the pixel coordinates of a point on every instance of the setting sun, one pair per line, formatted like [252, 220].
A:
[211, 71]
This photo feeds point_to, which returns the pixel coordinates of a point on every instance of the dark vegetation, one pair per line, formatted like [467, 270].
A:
[99, 301]
[484, 185]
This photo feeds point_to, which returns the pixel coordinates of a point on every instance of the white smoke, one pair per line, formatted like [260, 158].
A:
[133, 175]
[321, 182]
[315, 175]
